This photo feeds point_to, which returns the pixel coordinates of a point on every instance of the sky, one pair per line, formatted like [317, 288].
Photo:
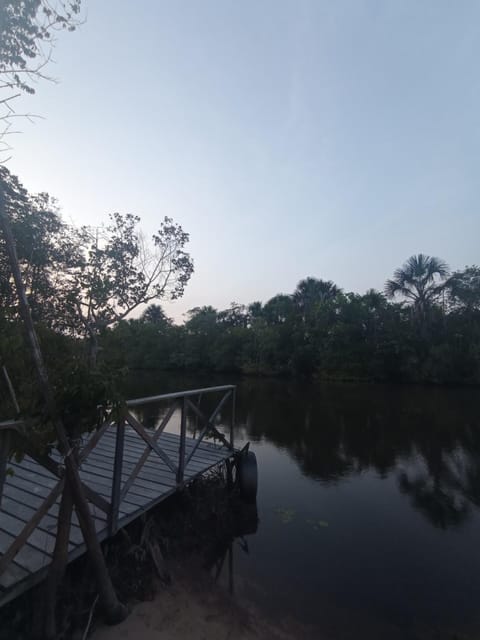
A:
[288, 138]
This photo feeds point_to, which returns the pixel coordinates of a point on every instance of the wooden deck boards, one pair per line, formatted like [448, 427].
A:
[30, 483]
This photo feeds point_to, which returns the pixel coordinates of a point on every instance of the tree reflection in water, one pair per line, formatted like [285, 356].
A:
[428, 438]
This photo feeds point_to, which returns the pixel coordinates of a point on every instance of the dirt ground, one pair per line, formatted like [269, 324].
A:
[194, 608]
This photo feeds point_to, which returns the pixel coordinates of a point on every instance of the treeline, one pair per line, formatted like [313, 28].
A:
[424, 328]
[85, 284]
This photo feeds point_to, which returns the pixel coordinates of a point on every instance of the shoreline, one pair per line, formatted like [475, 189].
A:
[194, 607]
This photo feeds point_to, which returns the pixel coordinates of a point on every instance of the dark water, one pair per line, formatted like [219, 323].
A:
[368, 504]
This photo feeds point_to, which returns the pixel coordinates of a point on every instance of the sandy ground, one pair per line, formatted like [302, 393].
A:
[196, 609]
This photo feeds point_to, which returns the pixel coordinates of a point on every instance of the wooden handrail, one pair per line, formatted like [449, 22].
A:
[140, 429]
[179, 394]
[120, 488]
[183, 439]
[208, 423]
[229, 392]
[138, 467]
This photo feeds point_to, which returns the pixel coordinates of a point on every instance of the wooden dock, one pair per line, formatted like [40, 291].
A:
[125, 469]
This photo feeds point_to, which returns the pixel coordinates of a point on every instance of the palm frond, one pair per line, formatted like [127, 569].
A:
[392, 287]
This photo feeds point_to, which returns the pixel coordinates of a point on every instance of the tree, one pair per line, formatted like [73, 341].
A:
[118, 271]
[421, 280]
[235, 316]
[374, 300]
[201, 320]
[463, 289]
[278, 310]
[44, 249]
[255, 311]
[81, 281]
[24, 27]
[115, 609]
[154, 314]
[312, 291]
[27, 30]
[201, 331]
[346, 336]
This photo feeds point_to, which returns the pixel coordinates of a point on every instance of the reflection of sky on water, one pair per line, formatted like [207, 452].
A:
[368, 503]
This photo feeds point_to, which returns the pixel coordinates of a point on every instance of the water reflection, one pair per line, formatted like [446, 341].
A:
[393, 471]
[221, 557]
[428, 438]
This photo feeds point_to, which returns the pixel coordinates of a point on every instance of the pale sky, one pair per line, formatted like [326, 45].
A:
[290, 139]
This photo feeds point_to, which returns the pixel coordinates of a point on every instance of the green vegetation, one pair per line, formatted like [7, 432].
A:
[83, 284]
[80, 282]
[430, 334]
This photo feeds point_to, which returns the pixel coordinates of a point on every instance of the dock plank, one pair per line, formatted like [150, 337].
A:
[29, 558]
[13, 575]
[48, 523]
[30, 483]
[201, 457]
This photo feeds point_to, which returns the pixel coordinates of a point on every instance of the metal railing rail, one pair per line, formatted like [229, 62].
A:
[179, 394]
[181, 400]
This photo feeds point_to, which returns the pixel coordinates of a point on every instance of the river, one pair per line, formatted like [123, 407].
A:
[368, 504]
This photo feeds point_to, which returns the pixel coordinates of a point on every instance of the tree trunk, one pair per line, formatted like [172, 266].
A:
[11, 391]
[5, 446]
[59, 563]
[93, 349]
[114, 609]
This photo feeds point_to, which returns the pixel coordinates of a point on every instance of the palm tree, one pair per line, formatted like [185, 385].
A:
[420, 280]
[154, 314]
[311, 291]
[373, 299]
[278, 310]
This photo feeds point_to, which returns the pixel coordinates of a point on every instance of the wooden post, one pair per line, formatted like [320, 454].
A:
[5, 444]
[232, 419]
[6, 434]
[183, 435]
[59, 562]
[231, 587]
[11, 390]
[117, 476]
[114, 609]
[229, 473]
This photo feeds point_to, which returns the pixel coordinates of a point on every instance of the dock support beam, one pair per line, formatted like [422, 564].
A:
[117, 476]
[232, 418]
[183, 435]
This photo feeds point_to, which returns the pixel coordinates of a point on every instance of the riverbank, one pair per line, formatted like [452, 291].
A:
[193, 607]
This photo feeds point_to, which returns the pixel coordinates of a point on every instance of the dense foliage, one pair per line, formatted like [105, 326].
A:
[79, 282]
[83, 284]
[25, 28]
[318, 330]
[432, 334]
[27, 36]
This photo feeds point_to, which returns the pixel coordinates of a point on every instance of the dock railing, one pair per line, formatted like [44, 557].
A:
[183, 401]
[176, 464]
